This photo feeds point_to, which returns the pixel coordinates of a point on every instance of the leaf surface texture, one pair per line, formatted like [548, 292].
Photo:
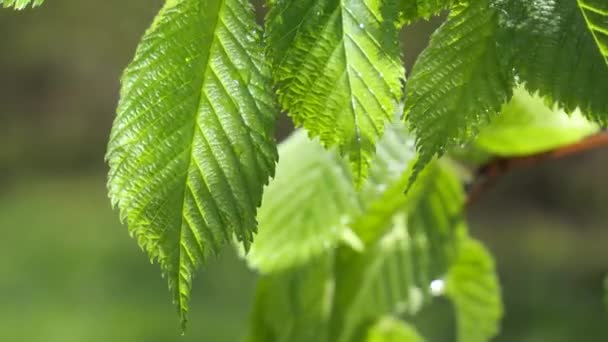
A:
[596, 16]
[192, 145]
[458, 82]
[338, 71]
[554, 53]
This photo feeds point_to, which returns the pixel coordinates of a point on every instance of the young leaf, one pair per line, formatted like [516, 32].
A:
[389, 329]
[596, 16]
[553, 52]
[306, 208]
[385, 283]
[20, 4]
[294, 305]
[312, 197]
[458, 82]
[413, 247]
[472, 285]
[192, 145]
[338, 71]
[527, 125]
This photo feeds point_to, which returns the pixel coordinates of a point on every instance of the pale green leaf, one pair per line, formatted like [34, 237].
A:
[413, 248]
[306, 208]
[472, 285]
[596, 16]
[527, 125]
[458, 83]
[403, 252]
[20, 4]
[553, 52]
[192, 145]
[389, 329]
[294, 305]
[313, 197]
[338, 71]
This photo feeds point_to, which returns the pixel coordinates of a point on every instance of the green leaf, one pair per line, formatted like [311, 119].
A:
[313, 197]
[527, 126]
[405, 247]
[596, 16]
[414, 246]
[20, 4]
[389, 329]
[422, 9]
[472, 285]
[338, 71]
[192, 145]
[458, 82]
[306, 208]
[553, 52]
[294, 305]
[385, 283]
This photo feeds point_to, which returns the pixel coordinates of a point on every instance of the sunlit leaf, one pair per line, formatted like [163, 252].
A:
[338, 71]
[526, 126]
[458, 83]
[20, 4]
[193, 143]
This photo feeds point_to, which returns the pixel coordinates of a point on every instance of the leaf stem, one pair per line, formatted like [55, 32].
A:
[489, 173]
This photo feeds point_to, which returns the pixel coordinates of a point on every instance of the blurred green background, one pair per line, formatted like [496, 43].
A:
[70, 272]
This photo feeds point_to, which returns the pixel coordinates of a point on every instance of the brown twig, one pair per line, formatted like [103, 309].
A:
[489, 173]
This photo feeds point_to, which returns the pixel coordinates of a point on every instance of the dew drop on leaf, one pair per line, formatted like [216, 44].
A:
[437, 287]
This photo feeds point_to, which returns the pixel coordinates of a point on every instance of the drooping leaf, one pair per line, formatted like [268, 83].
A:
[20, 4]
[192, 145]
[374, 283]
[413, 248]
[406, 247]
[472, 285]
[389, 329]
[553, 52]
[313, 198]
[458, 83]
[306, 208]
[527, 125]
[338, 71]
[596, 16]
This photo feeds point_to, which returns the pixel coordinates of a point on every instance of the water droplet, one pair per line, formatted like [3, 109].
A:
[437, 287]
[361, 26]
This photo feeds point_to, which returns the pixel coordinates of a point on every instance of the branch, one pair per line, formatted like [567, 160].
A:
[489, 173]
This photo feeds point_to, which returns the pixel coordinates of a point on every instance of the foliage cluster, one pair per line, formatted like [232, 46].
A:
[344, 254]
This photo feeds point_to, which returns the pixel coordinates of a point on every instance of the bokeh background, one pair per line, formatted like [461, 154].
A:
[69, 271]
